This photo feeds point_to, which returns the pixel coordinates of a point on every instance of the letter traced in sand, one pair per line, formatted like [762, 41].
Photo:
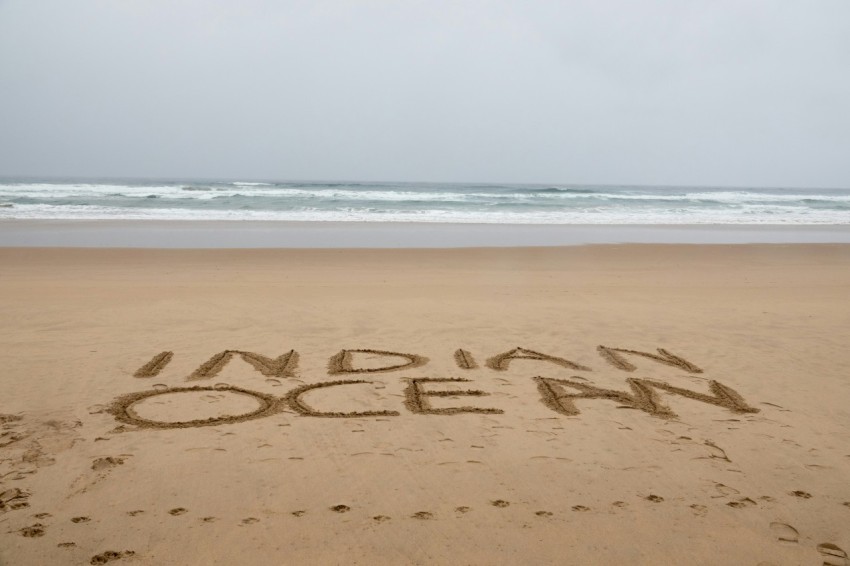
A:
[501, 362]
[464, 359]
[122, 408]
[293, 398]
[341, 362]
[212, 366]
[282, 366]
[416, 399]
[665, 357]
[153, 367]
[643, 396]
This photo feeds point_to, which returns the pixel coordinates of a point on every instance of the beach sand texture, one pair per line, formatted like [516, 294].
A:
[158, 406]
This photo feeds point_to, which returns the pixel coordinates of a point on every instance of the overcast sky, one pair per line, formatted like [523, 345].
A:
[737, 93]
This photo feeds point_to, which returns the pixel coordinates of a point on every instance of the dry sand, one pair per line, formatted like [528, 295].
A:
[157, 406]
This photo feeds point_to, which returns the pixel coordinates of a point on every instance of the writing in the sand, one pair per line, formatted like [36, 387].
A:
[558, 394]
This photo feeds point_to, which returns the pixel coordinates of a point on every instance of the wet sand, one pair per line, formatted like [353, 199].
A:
[640, 404]
[269, 234]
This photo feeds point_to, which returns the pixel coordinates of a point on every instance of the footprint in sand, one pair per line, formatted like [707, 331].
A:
[134, 513]
[209, 519]
[178, 511]
[8, 438]
[298, 513]
[12, 499]
[725, 490]
[463, 509]
[620, 504]
[380, 518]
[699, 510]
[801, 494]
[33, 531]
[499, 503]
[80, 520]
[106, 463]
[423, 515]
[784, 532]
[832, 555]
[42, 515]
[741, 503]
[109, 556]
[580, 508]
[250, 521]
[543, 513]
[66, 544]
[654, 498]
[341, 508]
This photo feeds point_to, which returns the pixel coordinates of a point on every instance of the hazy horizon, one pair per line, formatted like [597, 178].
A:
[247, 179]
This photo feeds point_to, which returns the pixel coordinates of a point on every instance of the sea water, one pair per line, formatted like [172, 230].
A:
[459, 203]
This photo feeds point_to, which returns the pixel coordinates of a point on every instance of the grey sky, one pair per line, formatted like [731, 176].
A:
[747, 93]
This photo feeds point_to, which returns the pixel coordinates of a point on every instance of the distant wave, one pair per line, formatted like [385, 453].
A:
[558, 190]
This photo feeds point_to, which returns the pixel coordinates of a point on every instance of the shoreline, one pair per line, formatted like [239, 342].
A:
[274, 234]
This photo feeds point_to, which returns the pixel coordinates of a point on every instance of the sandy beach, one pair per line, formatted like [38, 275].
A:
[637, 404]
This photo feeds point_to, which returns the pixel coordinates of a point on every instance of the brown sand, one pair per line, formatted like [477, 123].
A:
[644, 405]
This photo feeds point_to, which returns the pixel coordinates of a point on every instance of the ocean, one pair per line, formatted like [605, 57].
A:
[456, 203]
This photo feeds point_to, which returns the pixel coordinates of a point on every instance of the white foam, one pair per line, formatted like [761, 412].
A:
[392, 193]
[765, 215]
